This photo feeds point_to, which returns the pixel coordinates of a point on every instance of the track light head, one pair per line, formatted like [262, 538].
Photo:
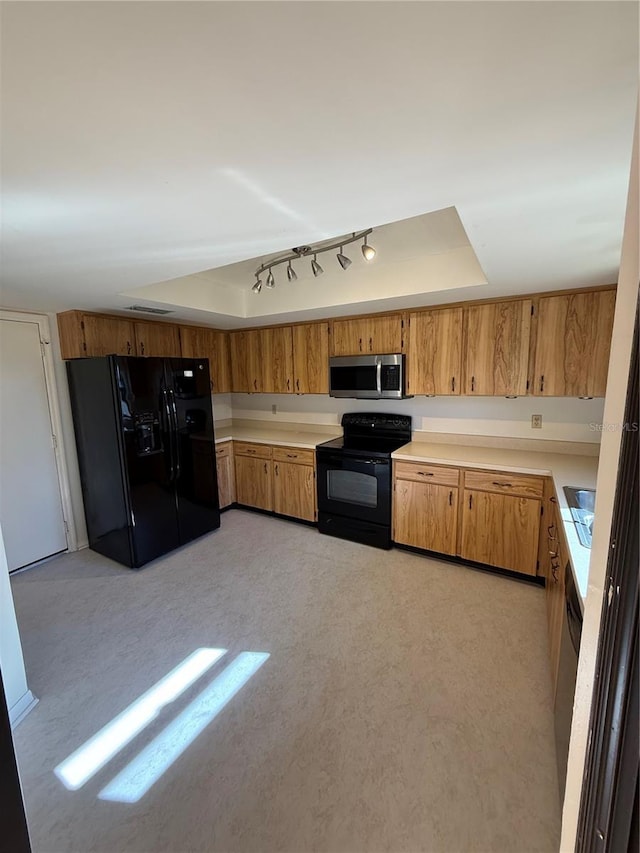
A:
[315, 266]
[291, 273]
[257, 287]
[343, 260]
[271, 282]
[368, 252]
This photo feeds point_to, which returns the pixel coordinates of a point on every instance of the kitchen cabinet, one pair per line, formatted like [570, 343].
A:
[425, 515]
[311, 358]
[157, 339]
[359, 335]
[500, 530]
[253, 480]
[245, 348]
[294, 483]
[199, 342]
[572, 344]
[276, 368]
[83, 335]
[435, 352]
[497, 348]
[226, 474]
[555, 586]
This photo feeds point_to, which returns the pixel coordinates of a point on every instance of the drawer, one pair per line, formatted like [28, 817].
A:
[294, 454]
[508, 484]
[418, 472]
[224, 450]
[259, 451]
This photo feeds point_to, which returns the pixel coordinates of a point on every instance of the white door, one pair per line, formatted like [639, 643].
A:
[30, 502]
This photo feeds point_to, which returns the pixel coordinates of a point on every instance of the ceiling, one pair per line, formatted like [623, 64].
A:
[158, 152]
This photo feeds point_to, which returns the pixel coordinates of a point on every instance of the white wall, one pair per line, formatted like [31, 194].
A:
[19, 697]
[562, 419]
[605, 493]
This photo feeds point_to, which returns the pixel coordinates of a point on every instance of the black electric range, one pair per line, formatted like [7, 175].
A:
[354, 477]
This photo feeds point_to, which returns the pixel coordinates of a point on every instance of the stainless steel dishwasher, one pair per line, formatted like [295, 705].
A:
[567, 671]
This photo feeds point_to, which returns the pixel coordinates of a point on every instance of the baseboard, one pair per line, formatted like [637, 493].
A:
[21, 708]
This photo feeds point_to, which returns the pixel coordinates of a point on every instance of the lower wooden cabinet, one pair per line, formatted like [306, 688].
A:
[555, 589]
[500, 530]
[425, 515]
[278, 479]
[226, 474]
[294, 490]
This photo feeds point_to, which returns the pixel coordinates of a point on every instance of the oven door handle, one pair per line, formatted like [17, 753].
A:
[341, 460]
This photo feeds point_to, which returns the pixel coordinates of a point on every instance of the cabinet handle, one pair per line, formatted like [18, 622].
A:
[360, 344]
[128, 347]
[453, 383]
[250, 450]
[542, 383]
[473, 383]
[211, 384]
[141, 347]
[292, 455]
[298, 384]
[255, 384]
[550, 528]
[276, 468]
[470, 501]
[425, 473]
[553, 499]
[450, 498]
[553, 554]
[505, 485]
[265, 467]
[370, 344]
[554, 572]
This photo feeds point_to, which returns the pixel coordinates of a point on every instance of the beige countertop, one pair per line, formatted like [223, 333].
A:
[565, 469]
[303, 438]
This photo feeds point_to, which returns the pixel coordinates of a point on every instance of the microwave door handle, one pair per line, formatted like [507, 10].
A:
[379, 375]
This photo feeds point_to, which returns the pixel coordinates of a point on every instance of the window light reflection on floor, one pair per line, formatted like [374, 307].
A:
[85, 762]
[133, 782]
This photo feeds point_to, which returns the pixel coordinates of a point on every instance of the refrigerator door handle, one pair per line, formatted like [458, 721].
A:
[174, 429]
[167, 408]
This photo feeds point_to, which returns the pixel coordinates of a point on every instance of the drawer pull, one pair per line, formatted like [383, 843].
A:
[553, 554]
[504, 485]
[450, 498]
[292, 455]
[552, 531]
[251, 450]
[425, 473]
[554, 572]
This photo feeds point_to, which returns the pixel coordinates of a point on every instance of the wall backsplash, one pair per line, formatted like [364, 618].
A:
[563, 419]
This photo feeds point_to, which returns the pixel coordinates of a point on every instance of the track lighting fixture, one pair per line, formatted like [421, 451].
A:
[298, 252]
[315, 266]
[343, 260]
[368, 252]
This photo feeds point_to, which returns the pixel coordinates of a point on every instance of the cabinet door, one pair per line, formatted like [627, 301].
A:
[294, 490]
[246, 360]
[500, 530]
[425, 516]
[311, 358]
[497, 348]
[226, 474]
[435, 352]
[253, 482]
[367, 335]
[108, 335]
[71, 334]
[198, 342]
[276, 366]
[158, 339]
[572, 344]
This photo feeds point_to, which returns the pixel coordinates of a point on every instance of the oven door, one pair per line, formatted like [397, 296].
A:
[354, 486]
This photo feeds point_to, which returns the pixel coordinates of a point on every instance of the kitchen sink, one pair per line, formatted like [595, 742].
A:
[581, 503]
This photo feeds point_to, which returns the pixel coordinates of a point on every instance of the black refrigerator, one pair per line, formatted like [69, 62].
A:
[144, 434]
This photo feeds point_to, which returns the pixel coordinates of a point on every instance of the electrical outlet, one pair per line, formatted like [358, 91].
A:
[274, 410]
[536, 421]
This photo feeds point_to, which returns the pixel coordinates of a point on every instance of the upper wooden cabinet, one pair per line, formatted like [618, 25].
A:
[83, 335]
[277, 360]
[379, 334]
[572, 344]
[245, 349]
[196, 342]
[435, 352]
[158, 339]
[311, 358]
[497, 348]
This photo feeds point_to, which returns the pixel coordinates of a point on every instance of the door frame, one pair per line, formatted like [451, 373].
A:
[44, 333]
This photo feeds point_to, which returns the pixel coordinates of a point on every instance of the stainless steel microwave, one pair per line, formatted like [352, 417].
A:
[369, 377]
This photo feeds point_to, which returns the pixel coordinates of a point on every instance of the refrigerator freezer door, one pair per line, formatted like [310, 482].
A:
[189, 391]
[149, 456]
